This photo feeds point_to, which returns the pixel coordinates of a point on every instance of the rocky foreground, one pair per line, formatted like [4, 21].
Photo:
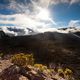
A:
[10, 71]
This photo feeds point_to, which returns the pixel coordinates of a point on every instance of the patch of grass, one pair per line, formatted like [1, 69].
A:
[40, 67]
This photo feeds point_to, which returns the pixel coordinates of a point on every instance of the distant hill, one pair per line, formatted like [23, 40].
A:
[22, 31]
[48, 43]
[63, 48]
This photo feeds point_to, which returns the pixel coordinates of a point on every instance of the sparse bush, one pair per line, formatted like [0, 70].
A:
[30, 59]
[40, 67]
[22, 59]
[68, 74]
[68, 71]
[27, 59]
[60, 70]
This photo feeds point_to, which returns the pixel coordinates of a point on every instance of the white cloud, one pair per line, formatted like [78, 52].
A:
[31, 15]
[31, 7]
[74, 23]
[27, 21]
[65, 1]
[28, 14]
[14, 30]
[74, 1]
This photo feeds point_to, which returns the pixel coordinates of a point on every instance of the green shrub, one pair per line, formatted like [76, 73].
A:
[30, 59]
[68, 71]
[22, 59]
[60, 70]
[40, 67]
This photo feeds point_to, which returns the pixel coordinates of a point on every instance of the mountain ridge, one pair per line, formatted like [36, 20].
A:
[22, 31]
[46, 41]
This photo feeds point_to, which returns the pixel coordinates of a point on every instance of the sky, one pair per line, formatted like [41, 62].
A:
[40, 15]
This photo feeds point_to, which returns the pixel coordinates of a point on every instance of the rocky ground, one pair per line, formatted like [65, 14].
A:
[9, 71]
[4, 64]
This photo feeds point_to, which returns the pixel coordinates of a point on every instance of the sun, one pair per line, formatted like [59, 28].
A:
[43, 14]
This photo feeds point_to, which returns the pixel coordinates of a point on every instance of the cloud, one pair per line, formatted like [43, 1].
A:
[23, 21]
[27, 14]
[74, 1]
[15, 31]
[30, 5]
[74, 23]
[65, 1]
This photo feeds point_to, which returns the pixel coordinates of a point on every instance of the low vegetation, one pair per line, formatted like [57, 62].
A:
[40, 69]
[22, 59]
